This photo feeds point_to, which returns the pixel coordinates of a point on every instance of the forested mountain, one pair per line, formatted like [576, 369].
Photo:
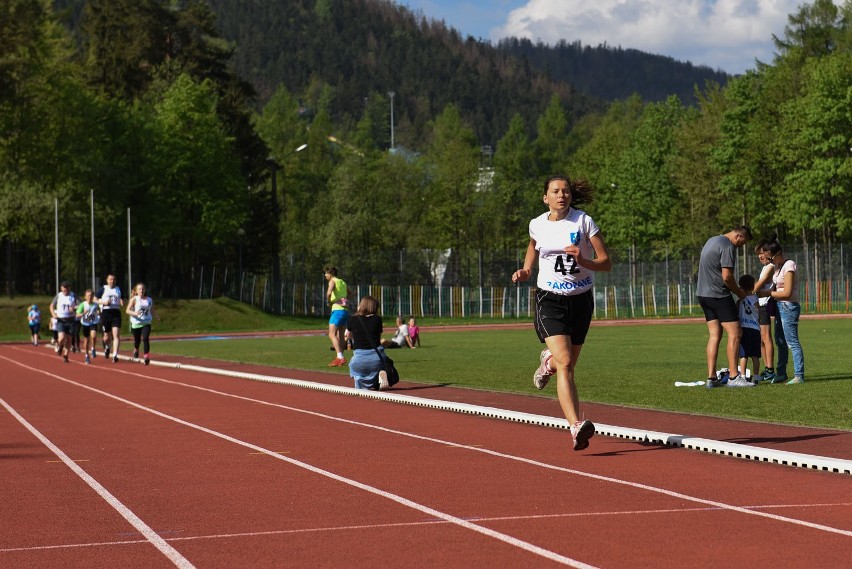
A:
[613, 73]
[366, 46]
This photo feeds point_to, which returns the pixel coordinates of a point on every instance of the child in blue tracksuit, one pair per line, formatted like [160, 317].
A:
[34, 321]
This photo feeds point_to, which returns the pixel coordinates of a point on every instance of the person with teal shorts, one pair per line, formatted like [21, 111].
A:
[337, 297]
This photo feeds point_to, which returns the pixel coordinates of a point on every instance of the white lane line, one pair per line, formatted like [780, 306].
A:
[150, 535]
[513, 541]
[400, 525]
[711, 503]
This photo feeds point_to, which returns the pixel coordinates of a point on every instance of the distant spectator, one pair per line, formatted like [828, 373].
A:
[34, 322]
[365, 328]
[414, 332]
[786, 293]
[766, 310]
[750, 340]
[402, 338]
[716, 282]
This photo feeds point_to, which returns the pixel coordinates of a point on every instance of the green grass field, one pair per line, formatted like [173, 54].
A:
[633, 365]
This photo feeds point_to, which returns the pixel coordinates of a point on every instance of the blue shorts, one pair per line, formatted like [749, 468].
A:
[339, 318]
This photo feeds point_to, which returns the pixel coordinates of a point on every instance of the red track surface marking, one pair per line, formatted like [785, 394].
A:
[150, 535]
[234, 473]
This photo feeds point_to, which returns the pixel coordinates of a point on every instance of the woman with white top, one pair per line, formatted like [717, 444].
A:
[141, 311]
[786, 292]
[569, 248]
[766, 309]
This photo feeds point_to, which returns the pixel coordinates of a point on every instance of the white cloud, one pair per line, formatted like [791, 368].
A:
[725, 34]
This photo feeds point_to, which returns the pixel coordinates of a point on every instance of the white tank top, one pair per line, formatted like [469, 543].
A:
[557, 272]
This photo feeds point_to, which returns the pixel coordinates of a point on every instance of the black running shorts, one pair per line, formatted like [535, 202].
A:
[721, 309]
[564, 315]
[110, 319]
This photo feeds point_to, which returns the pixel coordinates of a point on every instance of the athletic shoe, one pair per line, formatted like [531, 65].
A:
[88, 359]
[106, 352]
[147, 360]
[383, 380]
[135, 354]
[767, 375]
[337, 362]
[115, 359]
[796, 380]
[65, 358]
[543, 373]
[581, 432]
[723, 375]
[740, 381]
[714, 382]
[58, 350]
[779, 379]
[94, 353]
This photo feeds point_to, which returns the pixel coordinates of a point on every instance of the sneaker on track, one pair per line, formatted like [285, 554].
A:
[115, 359]
[65, 358]
[106, 352]
[581, 432]
[147, 360]
[543, 373]
[383, 380]
[135, 354]
[740, 381]
[88, 359]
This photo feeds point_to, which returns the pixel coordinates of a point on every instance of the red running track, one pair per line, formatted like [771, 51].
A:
[167, 467]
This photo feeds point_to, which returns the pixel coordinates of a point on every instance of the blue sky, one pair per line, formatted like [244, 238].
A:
[722, 34]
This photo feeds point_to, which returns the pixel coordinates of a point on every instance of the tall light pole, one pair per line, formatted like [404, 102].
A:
[391, 95]
[276, 229]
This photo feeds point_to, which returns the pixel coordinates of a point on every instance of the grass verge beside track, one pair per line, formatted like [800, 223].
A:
[633, 365]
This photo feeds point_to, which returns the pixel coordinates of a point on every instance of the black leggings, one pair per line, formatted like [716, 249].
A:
[143, 335]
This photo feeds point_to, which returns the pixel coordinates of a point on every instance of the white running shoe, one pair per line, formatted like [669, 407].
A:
[544, 371]
[740, 381]
[581, 432]
[383, 380]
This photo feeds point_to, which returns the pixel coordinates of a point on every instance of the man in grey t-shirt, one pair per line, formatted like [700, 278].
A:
[716, 281]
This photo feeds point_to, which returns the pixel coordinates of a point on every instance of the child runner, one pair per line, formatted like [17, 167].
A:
[34, 321]
[141, 311]
[89, 315]
[750, 340]
[569, 248]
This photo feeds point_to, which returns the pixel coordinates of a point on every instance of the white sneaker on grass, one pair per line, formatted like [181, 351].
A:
[740, 381]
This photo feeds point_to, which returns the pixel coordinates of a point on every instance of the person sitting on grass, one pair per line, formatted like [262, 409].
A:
[402, 338]
[414, 332]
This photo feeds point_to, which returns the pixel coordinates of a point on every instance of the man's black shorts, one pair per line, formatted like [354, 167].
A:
[110, 319]
[721, 309]
[563, 315]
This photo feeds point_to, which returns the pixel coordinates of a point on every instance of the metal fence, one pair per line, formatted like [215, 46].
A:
[612, 301]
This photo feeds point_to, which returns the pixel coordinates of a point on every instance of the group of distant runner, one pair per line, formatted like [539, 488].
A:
[72, 320]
